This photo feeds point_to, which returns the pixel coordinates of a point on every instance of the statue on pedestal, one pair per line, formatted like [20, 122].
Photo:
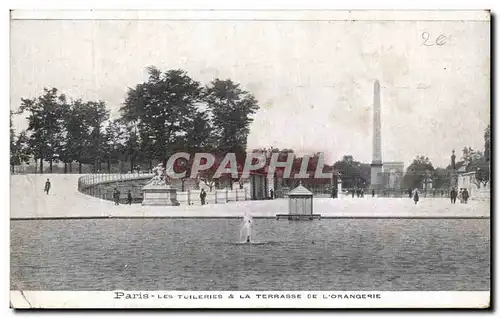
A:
[161, 176]
[158, 191]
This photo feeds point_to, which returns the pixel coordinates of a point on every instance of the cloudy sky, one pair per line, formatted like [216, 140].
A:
[313, 79]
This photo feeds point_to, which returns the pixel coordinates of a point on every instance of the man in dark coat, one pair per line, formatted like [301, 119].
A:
[453, 195]
[410, 193]
[116, 196]
[47, 186]
[334, 193]
[203, 195]
[129, 198]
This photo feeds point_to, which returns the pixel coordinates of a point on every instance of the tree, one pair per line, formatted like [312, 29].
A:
[353, 173]
[132, 148]
[163, 109]
[95, 115]
[441, 178]
[115, 137]
[477, 162]
[45, 121]
[66, 143]
[183, 165]
[482, 169]
[231, 109]
[470, 155]
[18, 147]
[420, 169]
[487, 143]
[199, 135]
[77, 135]
[207, 175]
[12, 133]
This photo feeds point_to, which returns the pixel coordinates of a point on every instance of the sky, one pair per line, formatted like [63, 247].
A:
[313, 79]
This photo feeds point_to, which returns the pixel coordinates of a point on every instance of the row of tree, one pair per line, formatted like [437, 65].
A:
[356, 174]
[171, 112]
[471, 160]
[167, 113]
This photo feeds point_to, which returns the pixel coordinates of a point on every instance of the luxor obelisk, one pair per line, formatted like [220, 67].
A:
[376, 166]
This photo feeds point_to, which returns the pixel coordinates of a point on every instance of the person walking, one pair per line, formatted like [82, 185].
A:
[466, 195]
[415, 195]
[47, 186]
[453, 195]
[203, 195]
[373, 193]
[116, 196]
[410, 193]
[461, 195]
[129, 197]
[272, 193]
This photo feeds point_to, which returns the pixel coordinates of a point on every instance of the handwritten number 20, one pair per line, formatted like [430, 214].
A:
[440, 40]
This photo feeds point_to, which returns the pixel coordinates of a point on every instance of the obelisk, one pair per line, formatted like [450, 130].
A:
[376, 166]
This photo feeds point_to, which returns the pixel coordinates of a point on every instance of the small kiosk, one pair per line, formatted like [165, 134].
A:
[300, 205]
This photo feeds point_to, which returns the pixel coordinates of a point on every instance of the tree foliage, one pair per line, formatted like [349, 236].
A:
[487, 143]
[475, 161]
[168, 113]
[164, 111]
[420, 169]
[231, 109]
[45, 124]
[19, 151]
[441, 178]
[354, 174]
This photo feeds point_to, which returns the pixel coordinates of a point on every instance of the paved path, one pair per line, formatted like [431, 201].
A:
[28, 201]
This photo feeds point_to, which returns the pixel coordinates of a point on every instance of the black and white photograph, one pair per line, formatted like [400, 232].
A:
[250, 159]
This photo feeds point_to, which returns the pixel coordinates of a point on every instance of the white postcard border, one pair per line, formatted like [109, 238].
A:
[79, 299]
[249, 299]
[253, 15]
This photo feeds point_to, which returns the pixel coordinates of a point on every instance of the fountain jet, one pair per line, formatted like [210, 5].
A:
[246, 228]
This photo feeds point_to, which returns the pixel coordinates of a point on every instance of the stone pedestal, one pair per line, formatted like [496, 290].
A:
[376, 176]
[159, 195]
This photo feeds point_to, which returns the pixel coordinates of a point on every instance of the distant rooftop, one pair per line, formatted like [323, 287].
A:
[300, 190]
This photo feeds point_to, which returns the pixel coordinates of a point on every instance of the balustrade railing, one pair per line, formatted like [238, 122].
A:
[87, 181]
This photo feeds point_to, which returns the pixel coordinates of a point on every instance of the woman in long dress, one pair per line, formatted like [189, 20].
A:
[461, 195]
[415, 195]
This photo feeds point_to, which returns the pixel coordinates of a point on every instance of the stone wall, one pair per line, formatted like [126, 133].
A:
[192, 197]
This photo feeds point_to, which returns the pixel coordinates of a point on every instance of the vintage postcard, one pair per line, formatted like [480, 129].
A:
[250, 159]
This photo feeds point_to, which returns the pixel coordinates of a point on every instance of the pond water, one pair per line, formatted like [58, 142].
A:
[205, 254]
